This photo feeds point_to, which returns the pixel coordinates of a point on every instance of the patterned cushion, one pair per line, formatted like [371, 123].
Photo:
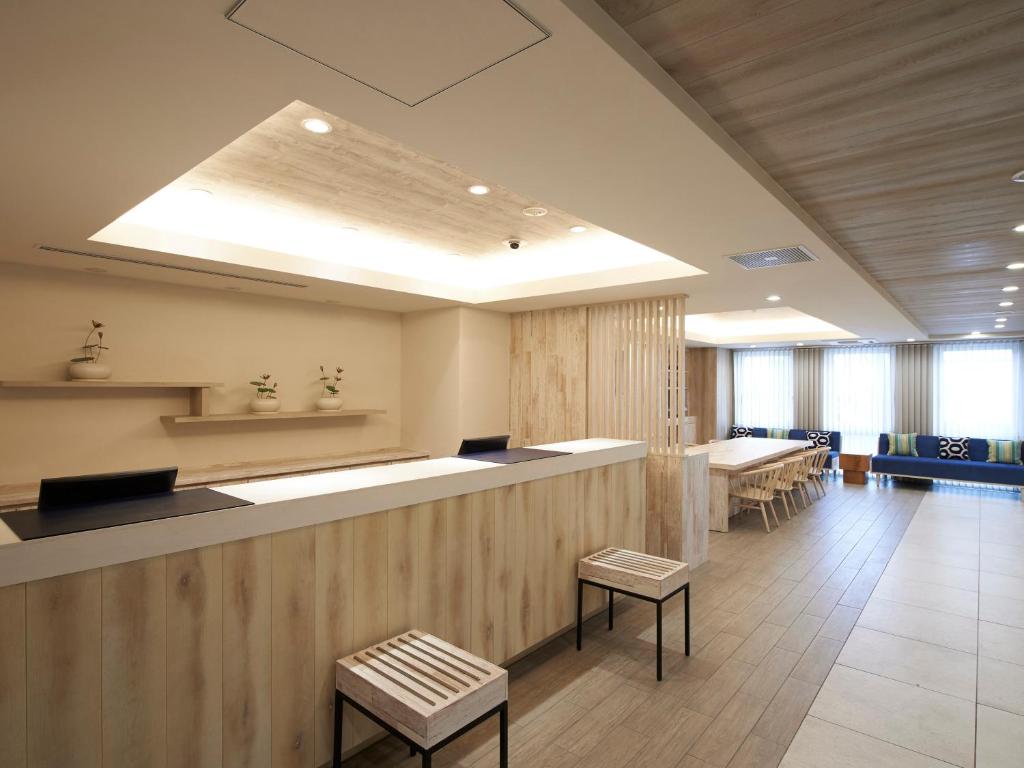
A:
[742, 431]
[903, 443]
[1004, 452]
[954, 448]
[779, 433]
[820, 439]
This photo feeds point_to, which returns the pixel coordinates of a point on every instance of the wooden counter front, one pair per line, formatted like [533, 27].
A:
[224, 655]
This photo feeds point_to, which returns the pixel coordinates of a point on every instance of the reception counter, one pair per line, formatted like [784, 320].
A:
[210, 639]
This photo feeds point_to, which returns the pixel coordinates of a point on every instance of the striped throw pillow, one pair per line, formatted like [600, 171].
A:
[903, 444]
[778, 433]
[1004, 452]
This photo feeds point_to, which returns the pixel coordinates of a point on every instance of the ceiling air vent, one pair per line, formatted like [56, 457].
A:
[853, 342]
[142, 262]
[773, 258]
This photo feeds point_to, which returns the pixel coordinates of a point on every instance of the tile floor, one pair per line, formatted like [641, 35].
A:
[881, 627]
[933, 672]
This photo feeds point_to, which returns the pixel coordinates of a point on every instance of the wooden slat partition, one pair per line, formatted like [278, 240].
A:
[636, 372]
[225, 655]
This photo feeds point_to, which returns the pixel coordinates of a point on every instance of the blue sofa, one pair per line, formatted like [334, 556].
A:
[835, 442]
[929, 466]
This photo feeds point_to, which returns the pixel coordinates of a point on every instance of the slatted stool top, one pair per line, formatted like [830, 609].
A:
[635, 572]
[425, 688]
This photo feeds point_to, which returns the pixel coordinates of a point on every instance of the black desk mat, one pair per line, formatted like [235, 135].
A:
[32, 524]
[513, 455]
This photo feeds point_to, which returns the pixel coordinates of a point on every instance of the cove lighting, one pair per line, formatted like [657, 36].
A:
[773, 297]
[1016, 265]
[479, 189]
[1010, 289]
[316, 125]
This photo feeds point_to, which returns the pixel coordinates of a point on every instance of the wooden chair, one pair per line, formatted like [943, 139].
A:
[817, 470]
[423, 690]
[755, 488]
[786, 483]
[806, 461]
[650, 578]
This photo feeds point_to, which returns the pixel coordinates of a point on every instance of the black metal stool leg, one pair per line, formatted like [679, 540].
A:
[658, 605]
[503, 737]
[579, 615]
[611, 609]
[338, 701]
[686, 608]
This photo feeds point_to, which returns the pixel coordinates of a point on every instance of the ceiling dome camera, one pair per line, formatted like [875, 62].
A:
[515, 243]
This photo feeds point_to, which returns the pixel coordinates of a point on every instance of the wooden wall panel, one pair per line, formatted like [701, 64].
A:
[226, 655]
[246, 656]
[195, 647]
[12, 677]
[292, 646]
[335, 592]
[134, 665]
[548, 392]
[64, 671]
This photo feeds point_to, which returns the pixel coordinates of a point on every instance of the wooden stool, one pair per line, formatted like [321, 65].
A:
[423, 690]
[635, 574]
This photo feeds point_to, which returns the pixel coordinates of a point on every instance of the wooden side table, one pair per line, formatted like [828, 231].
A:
[855, 467]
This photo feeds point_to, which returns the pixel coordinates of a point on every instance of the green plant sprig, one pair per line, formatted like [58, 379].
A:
[265, 390]
[91, 350]
[332, 388]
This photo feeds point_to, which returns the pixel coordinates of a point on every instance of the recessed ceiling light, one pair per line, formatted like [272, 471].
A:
[577, 229]
[1019, 228]
[316, 125]
[999, 326]
[799, 343]
[773, 297]
[1010, 288]
[1016, 265]
[535, 211]
[911, 339]
[479, 189]
[1000, 319]
[753, 346]
[975, 333]
[200, 195]
[348, 230]
[1005, 303]
[1018, 177]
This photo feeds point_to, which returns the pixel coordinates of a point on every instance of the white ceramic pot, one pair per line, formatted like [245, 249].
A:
[88, 371]
[264, 405]
[328, 404]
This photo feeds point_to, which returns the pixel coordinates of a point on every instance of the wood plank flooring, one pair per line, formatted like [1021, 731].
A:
[771, 613]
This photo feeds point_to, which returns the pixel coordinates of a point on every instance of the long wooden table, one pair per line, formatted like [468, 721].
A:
[727, 457]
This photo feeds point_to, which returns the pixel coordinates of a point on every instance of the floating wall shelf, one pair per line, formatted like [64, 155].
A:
[198, 391]
[270, 416]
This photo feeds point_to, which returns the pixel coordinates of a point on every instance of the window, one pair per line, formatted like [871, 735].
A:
[763, 387]
[977, 390]
[857, 396]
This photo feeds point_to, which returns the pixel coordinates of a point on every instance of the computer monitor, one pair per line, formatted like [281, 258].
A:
[484, 444]
[56, 493]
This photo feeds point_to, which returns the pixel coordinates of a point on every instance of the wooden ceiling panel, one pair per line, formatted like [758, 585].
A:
[895, 123]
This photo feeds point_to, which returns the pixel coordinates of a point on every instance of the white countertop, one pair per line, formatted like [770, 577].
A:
[295, 502]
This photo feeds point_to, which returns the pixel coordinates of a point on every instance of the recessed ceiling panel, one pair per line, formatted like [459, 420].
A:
[409, 50]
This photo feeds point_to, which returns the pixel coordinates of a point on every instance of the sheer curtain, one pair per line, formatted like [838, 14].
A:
[857, 395]
[763, 387]
[977, 389]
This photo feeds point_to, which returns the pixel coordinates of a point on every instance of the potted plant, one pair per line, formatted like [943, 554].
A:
[266, 395]
[330, 384]
[88, 367]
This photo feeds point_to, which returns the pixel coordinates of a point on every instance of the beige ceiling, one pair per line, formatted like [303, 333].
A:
[896, 124]
[127, 101]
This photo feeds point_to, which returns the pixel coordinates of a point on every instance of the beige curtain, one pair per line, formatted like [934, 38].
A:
[807, 367]
[913, 388]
